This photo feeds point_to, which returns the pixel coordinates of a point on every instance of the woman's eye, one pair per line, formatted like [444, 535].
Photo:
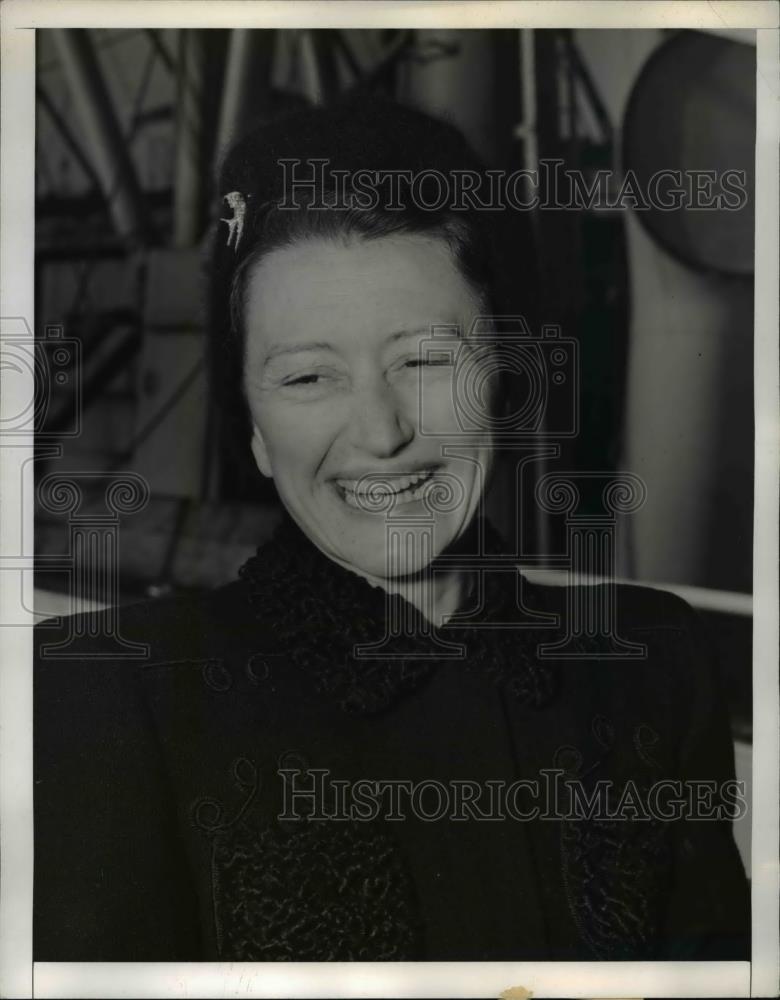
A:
[428, 362]
[314, 376]
[312, 384]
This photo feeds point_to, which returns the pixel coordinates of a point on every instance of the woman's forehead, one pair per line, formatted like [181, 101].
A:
[321, 290]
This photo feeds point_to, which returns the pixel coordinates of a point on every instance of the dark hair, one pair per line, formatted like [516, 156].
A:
[366, 134]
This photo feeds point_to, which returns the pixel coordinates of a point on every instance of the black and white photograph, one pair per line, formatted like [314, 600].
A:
[389, 468]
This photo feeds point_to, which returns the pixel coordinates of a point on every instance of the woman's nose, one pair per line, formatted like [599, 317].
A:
[379, 424]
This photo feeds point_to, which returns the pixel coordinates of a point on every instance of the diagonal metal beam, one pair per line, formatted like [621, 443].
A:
[67, 136]
[110, 155]
[161, 49]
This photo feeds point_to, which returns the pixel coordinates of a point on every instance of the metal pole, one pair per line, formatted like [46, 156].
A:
[188, 207]
[111, 158]
[238, 71]
[309, 68]
[525, 130]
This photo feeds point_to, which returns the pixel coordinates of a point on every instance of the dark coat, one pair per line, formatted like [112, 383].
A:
[157, 785]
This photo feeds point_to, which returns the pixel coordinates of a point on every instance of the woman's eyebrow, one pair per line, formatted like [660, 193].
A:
[277, 349]
[427, 329]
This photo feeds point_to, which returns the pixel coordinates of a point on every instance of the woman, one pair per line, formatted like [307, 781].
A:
[359, 750]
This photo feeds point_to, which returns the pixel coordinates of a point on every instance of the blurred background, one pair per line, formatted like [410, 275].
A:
[131, 125]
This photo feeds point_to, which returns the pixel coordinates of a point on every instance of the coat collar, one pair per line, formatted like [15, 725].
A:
[337, 625]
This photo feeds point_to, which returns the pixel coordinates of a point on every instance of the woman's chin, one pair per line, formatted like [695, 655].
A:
[391, 551]
[375, 545]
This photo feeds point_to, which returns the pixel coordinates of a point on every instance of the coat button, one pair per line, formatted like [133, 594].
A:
[258, 669]
[216, 675]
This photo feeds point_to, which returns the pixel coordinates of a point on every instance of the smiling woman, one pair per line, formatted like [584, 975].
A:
[381, 742]
[332, 311]
[336, 423]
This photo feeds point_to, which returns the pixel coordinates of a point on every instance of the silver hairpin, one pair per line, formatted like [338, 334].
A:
[237, 204]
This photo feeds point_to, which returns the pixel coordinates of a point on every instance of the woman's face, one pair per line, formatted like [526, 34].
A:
[350, 417]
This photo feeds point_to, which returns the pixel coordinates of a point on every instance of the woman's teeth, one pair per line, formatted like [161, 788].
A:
[368, 494]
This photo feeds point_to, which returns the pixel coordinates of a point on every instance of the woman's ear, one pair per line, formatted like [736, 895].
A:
[260, 452]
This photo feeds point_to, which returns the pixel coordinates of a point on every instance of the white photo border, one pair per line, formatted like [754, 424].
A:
[18, 976]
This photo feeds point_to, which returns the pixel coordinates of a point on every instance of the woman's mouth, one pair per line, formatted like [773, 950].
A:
[378, 493]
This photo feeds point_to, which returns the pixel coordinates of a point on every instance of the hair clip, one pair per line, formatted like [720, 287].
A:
[237, 204]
